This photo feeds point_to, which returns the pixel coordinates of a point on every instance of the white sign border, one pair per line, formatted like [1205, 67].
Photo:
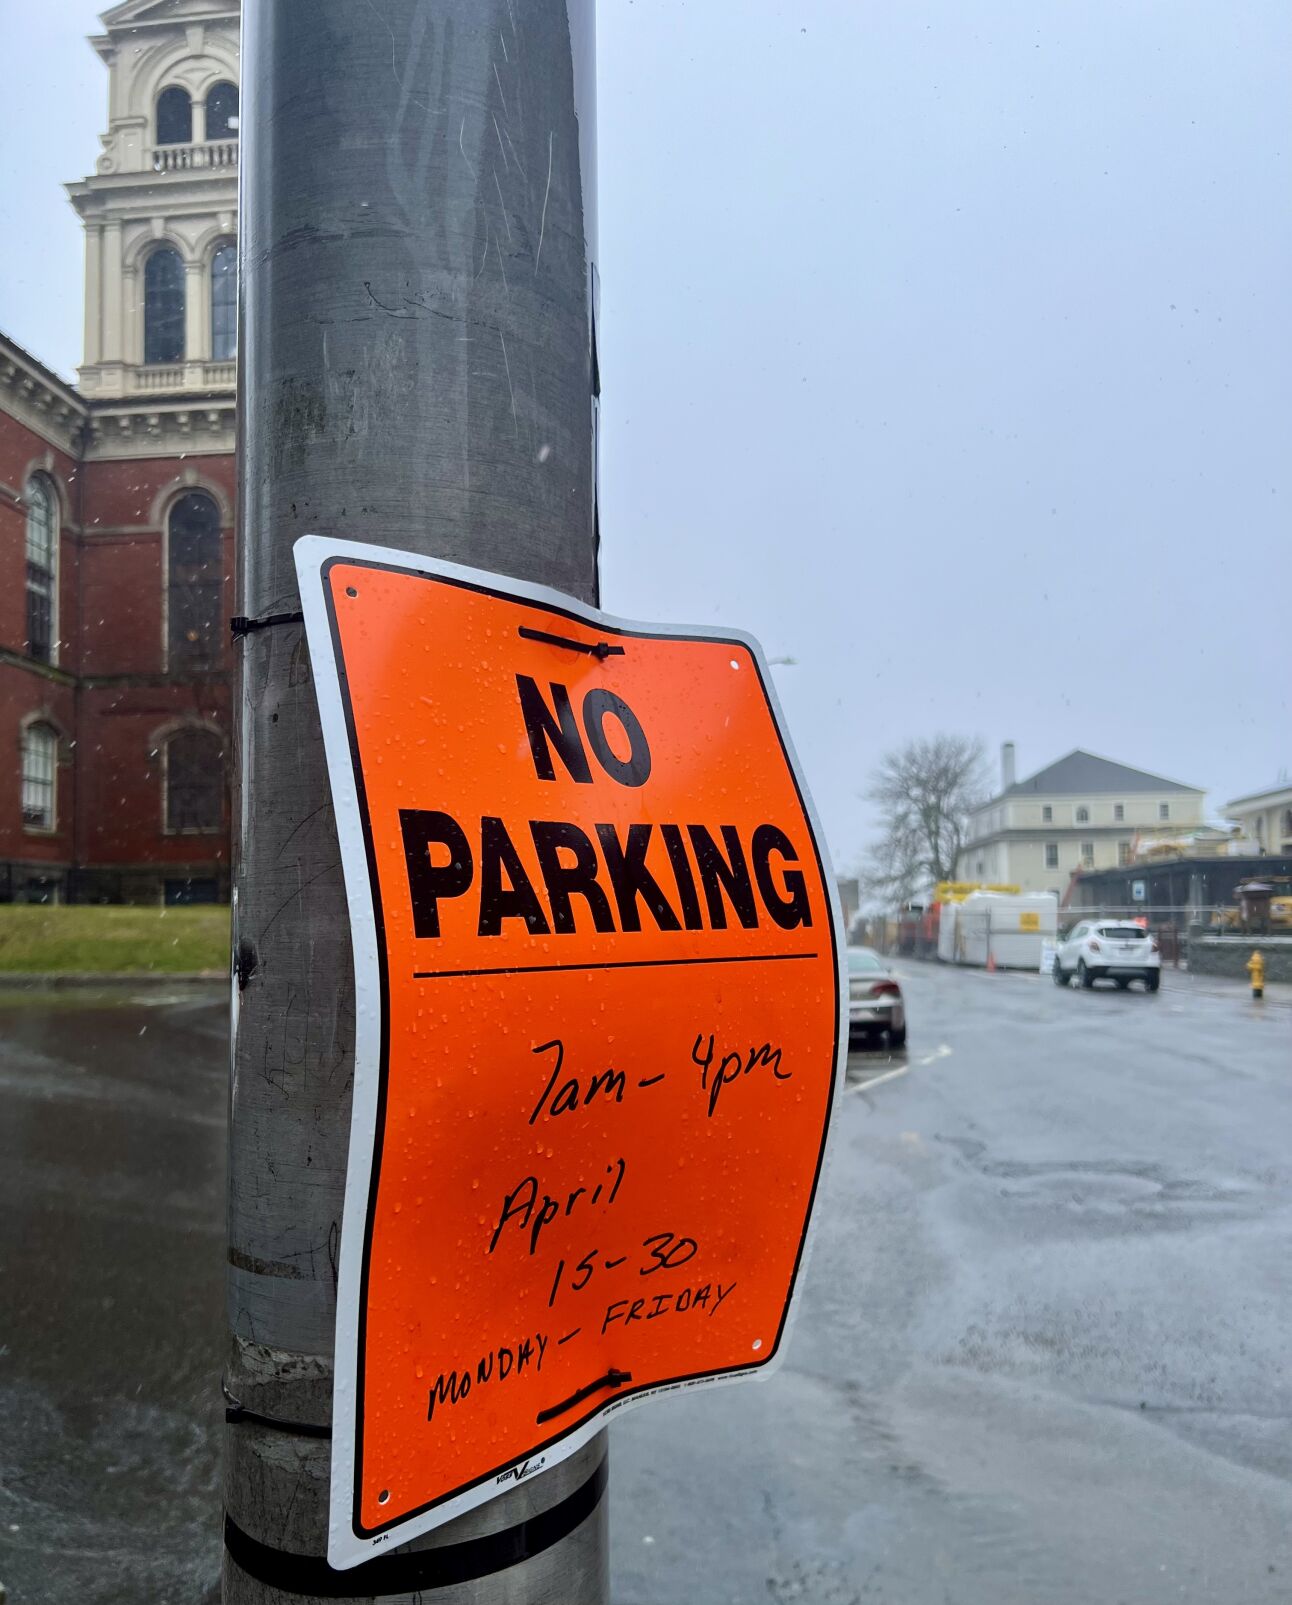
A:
[312, 553]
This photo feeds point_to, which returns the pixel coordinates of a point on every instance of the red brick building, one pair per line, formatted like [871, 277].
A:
[116, 500]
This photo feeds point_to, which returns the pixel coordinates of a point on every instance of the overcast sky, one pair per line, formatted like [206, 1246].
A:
[945, 346]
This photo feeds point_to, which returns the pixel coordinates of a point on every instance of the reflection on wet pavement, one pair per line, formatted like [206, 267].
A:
[1040, 1354]
[1039, 1358]
[111, 1188]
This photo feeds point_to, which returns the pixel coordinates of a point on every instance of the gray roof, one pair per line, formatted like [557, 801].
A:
[1086, 774]
[1280, 785]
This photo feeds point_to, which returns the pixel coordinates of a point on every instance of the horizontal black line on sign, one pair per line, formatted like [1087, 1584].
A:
[619, 964]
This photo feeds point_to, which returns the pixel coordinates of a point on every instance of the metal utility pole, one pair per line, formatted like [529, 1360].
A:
[418, 370]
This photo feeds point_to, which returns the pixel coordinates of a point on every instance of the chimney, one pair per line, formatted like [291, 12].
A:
[1007, 766]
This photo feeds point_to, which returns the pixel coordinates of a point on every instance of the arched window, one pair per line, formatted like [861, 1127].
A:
[1287, 821]
[1083, 816]
[164, 306]
[174, 117]
[222, 111]
[42, 567]
[193, 582]
[193, 795]
[224, 304]
[39, 769]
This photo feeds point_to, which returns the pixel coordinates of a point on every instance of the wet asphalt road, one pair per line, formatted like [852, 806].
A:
[1043, 1351]
[1041, 1355]
[111, 1265]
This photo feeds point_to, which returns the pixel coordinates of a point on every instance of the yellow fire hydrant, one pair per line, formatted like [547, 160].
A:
[1256, 969]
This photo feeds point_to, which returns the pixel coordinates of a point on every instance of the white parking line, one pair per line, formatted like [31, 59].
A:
[875, 1081]
[942, 1052]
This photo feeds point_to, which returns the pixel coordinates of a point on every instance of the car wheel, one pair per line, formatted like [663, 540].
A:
[1152, 981]
[897, 1038]
[1084, 977]
[1060, 978]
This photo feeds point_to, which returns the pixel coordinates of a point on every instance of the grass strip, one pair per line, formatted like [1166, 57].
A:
[113, 941]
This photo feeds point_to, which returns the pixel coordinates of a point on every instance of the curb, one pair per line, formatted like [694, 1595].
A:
[17, 980]
[1278, 994]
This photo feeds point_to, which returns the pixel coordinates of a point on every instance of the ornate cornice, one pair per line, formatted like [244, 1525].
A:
[38, 398]
[183, 426]
[193, 424]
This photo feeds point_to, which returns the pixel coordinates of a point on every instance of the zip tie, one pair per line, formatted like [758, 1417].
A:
[241, 625]
[598, 649]
[235, 1412]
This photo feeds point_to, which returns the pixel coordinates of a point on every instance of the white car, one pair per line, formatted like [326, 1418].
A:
[1115, 949]
[875, 1001]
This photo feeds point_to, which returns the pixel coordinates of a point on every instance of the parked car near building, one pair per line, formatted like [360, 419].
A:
[1118, 950]
[875, 1001]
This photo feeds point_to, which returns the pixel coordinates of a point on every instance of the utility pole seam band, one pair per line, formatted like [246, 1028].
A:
[429, 1568]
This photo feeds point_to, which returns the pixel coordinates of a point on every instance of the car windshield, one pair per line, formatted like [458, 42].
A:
[1123, 933]
[861, 961]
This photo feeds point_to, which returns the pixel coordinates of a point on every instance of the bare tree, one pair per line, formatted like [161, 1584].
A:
[925, 792]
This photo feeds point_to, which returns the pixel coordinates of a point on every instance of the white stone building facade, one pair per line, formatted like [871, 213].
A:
[1081, 812]
[1265, 818]
[160, 215]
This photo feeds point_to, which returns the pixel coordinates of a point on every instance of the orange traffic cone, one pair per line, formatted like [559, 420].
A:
[991, 962]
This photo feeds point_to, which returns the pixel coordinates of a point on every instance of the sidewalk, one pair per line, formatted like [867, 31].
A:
[1278, 994]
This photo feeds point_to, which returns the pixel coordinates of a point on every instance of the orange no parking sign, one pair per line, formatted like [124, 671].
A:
[598, 1006]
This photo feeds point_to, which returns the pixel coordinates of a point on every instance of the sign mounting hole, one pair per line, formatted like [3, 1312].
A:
[758, 1343]
[383, 1498]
